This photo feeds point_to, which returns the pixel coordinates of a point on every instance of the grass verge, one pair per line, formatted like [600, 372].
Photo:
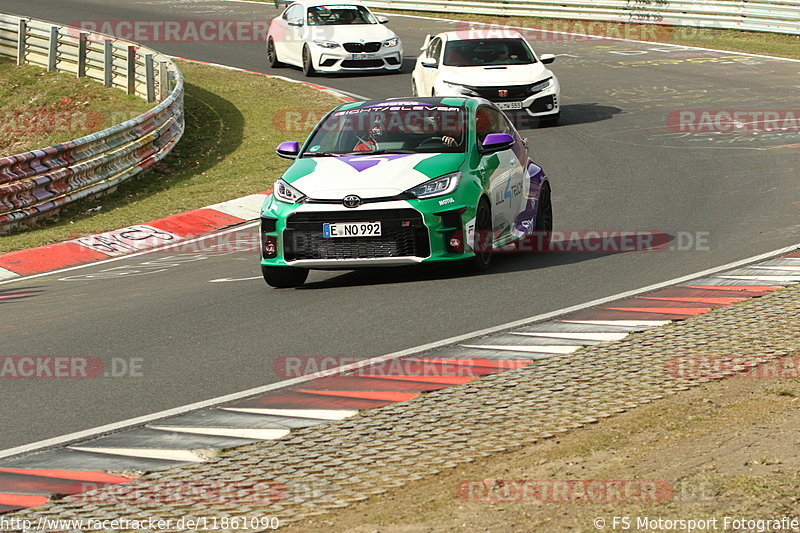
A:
[41, 108]
[234, 120]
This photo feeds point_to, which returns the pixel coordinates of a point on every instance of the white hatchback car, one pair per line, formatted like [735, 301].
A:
[501, 68]
[332, 37]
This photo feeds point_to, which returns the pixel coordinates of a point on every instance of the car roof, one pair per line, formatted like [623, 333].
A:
[313, 3]
[480, 33]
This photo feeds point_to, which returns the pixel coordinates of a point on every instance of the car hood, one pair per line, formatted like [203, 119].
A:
[350, 33]
[495, 75]
[368, 176]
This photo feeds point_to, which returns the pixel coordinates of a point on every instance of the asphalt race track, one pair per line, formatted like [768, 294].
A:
[613, 163]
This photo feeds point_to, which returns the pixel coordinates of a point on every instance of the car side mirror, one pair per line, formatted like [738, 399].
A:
[429, 62]
[382, 19]
[547, 58]
[288, 149]
[495, 142]
[295, 22]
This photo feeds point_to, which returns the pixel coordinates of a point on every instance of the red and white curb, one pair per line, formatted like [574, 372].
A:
[192, 434]
[131, 239]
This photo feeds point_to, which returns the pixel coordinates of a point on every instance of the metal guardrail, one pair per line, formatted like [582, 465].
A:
[40, 182]
[778, 16]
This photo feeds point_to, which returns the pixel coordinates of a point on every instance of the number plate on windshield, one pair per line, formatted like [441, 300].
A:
[351, 229]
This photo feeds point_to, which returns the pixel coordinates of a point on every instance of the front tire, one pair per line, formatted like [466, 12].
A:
[284, 277]
[308, 63]
[483, 238]
[272, 55]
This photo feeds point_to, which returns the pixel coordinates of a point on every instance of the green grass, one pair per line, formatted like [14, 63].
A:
[234, 120]
[40, 108]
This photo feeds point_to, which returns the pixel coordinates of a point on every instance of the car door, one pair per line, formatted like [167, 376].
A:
[503, 171]
[291, 44]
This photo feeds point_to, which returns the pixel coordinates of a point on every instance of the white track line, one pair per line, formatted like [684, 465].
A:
[600, 337]
[625, 323]
[527, 349]
[779, 279]
[215, 402]
[240, 433]
[147, 453]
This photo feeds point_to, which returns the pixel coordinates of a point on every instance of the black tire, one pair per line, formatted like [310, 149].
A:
[544, 220]
[483, 238]
[284, 277]
[308, 63]
[272, 55]
[549, 120]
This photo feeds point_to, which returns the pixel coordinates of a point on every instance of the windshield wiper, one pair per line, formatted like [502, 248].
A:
[378, 152]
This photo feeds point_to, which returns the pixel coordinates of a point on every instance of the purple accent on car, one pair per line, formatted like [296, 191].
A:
[401, 103]
[363, 162]
[289, 148]
[493, 139]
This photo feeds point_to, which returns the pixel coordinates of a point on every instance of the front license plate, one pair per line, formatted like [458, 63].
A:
[363, 56]
[509, 105]
[351, 229]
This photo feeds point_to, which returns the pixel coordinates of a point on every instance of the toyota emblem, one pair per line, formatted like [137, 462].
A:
[502, 93]
[351, 200]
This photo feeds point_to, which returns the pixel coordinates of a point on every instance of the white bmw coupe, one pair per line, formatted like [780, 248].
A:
[332, 37]
[501, 68]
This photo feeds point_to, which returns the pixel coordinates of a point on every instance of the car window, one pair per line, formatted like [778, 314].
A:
[490, 120]
[294, 12]
[435, 48]
[337, 15]
[479, 52]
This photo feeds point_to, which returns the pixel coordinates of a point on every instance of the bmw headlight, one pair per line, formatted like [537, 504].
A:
[326, 44]
[391, 42]
[541, 86]
[286, 193]
[460, 89]
[437, 186]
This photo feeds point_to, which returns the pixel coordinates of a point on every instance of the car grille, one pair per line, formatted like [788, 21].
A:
[362, 63]
[356, 48]
[403, 235]
[515, 92]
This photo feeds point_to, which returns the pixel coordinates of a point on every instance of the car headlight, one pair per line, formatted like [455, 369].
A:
[437, 187]
[541, 86]
[326, 44]
[391, 42]
[460, 89]
[286, 193]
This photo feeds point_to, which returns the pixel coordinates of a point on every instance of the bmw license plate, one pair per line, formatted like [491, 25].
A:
[351, 229]
[363, 56]
[509, 105]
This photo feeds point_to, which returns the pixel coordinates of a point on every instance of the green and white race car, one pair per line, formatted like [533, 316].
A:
[402, 181]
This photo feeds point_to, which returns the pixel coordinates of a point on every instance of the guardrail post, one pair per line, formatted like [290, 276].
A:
[83, 39]
[22, 41]
[131, 70]
[163, 81]
[52, 53]
[108, 63]
[150, 78]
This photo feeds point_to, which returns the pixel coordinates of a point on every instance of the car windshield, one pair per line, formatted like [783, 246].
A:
[406, 127]
[481, 52]
[334, 15]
